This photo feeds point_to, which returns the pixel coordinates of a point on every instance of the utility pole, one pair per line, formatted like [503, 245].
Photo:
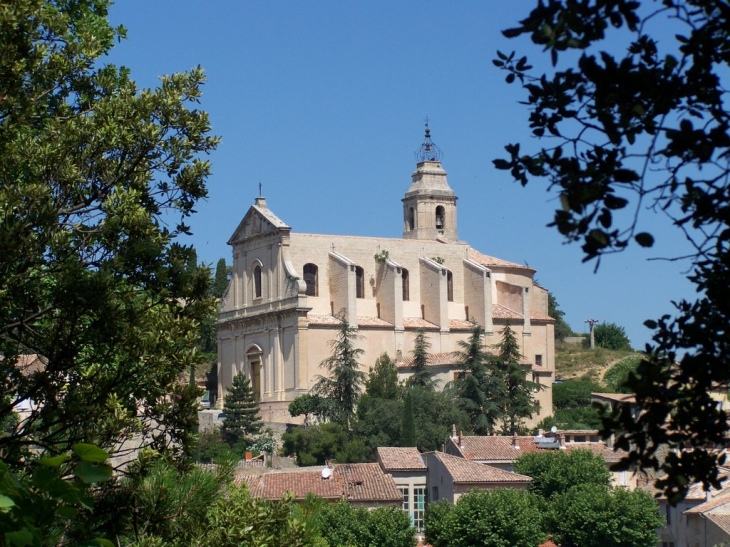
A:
[592, 322]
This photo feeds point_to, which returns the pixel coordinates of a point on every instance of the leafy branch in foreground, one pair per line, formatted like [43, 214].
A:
[627, 132]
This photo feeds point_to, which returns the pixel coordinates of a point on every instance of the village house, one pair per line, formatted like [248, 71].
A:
[502, 451]
[289, 290]
[402, 476]
[701, 519]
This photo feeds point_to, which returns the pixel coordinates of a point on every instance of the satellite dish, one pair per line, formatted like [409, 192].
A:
[554, 429]
[326, 473]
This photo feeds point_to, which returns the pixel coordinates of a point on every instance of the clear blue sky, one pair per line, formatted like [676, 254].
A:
[324, 103]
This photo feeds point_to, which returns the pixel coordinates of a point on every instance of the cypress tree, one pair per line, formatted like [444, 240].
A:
[220, 281]
[408, 426]
[242, 421]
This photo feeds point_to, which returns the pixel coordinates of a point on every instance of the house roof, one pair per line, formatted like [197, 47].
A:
[616, 397]
[722, 521]
[498, 448]
[351, 482]
[400, 459]
[467, 472]
[29, 363]
[722, 498]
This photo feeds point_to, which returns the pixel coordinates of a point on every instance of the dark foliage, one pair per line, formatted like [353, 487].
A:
[633, 131]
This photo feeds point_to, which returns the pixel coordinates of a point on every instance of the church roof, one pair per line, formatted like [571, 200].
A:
[490, 261]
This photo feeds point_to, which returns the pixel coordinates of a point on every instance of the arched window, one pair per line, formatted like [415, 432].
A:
[449, 286]
[411, 218]
[359, 282]
[440, 215]
[310, 278]
[406, 288]
[257, 281]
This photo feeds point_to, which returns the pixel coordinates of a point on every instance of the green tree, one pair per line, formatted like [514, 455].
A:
[92, 170]
[555, 472]
[643, 129]
[382, 380]
[481, 392]
[435, 413]
[242, 422]
[315, 445]
[240, 519]
[341, 390]
[617, 377]
[590, 516]
[408, 425]
[492, 518]
[518, 400]
[562, 329]
[220, 281]
[306, 404]
[611, 336]
[343, 525]
[422, 375]
[379, 423]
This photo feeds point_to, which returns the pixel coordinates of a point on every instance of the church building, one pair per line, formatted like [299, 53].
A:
[279, 311]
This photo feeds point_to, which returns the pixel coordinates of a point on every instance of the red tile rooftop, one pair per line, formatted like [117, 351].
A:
[418, 323]
[502, 448]
[400, 459]
[465, 471]
[490, 261]
[617, 397]
[434, 360]
[352, 482]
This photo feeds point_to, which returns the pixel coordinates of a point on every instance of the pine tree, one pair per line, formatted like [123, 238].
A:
[242, 421]
[382, 380]
[481, 391]
[341, 390]
[518, 401]
[422, 375]
[220, 281]
[408, 426]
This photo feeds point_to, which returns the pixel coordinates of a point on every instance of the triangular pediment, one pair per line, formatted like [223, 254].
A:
[258, 221]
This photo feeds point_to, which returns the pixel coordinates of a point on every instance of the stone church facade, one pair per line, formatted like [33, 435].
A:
[278, 314]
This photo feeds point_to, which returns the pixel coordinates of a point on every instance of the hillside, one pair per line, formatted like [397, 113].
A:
[572, 361]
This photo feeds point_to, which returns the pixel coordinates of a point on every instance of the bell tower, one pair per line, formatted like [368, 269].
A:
[429, 206]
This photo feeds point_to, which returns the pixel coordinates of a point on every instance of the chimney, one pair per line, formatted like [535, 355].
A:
[540, 432]
[609, 441]
[515, 444]
[461, 435]
[453, 431]
[561, 441]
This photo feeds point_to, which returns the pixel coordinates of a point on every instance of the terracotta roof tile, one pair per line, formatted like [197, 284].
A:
[500, 312]
[418, 323]
[331, 320]
[721, 520]
[465, 471]
[434, 359]
[352, 482]
[501, 449]
[400, 459]
[722, 498]
[490, 261]
[457, 324]
[373, 322]
[539, 316]
[617, 397]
